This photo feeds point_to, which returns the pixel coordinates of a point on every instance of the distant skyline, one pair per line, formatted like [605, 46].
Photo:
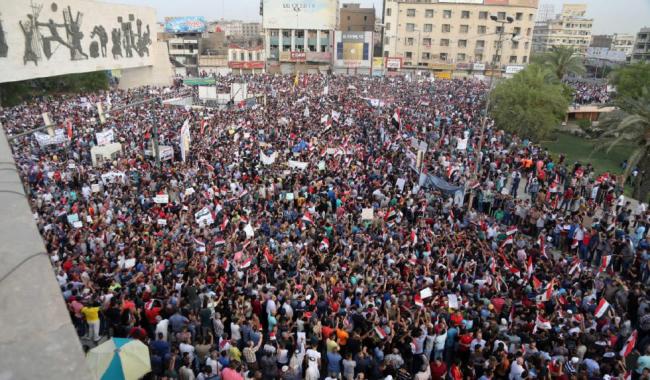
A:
[622, 16]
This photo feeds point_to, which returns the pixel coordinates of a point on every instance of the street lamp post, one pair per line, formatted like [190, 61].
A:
[507, 20]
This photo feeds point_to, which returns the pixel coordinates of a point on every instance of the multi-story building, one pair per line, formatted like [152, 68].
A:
[570, 29]
[183, 38]
[623, 42]
[601, 41]
[356, 19]
[447, 35]
[299, 35]
[641, 51]
[245, 60]
[237, 28]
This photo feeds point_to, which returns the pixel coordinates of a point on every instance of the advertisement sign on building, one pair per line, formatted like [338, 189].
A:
[315, 56]
[42, 39]
[193, 24]
[300, 14]
[478, 67]
[513, 69]
[353, 49]
[394, 63]
[246, 65]
[298, 56]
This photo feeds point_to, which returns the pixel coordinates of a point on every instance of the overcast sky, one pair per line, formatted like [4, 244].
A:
[610, 16]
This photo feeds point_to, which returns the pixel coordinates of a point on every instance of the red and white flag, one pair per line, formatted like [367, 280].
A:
[575, 266]
[224, 223]
[574, 244]
[380, 332]
[507, 241]
[226, 265]
[604, 263]
[542, 245]
[268, 255]
[511, 230]
[418, 301]
[529, 267]
[246, 263]
[548, 292]
[325, 244]
[536, 283]
[308, 218]
[414, 237]
[511, 268]
[200, 246]
[542, 323]
[219, 241]
[602, 307]
[629, 344]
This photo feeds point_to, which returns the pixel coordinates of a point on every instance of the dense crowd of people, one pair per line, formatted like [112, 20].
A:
[336, 230]
[594, 92]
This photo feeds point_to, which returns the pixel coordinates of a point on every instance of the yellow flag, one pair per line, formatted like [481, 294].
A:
[295, 81]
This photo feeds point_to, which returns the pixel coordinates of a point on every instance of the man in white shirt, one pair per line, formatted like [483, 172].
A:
[162, 327]
[516, 369]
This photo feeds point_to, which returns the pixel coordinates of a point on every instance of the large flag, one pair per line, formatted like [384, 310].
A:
[542, 245]
[529, 267]
[511, 230]
[324, 245]
[604, 263]
[542, 323]
[602, 307]
[536, 283]
[380, 332]
[397, 119]
[629, 344]
[185, 139]
[575, 266]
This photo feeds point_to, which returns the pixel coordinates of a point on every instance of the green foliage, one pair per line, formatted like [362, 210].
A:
[584, 124]
[631, 123]
[531, 104]
[562, 61]
[630, 80]
[13, 93]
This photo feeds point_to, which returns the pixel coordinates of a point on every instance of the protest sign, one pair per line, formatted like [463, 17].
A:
[204, 217]
[161, 198]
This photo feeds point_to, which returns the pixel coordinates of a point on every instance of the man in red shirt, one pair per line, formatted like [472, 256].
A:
[438, 369]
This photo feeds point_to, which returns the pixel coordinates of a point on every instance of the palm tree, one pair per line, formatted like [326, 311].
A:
[562, 60]
[631, 122]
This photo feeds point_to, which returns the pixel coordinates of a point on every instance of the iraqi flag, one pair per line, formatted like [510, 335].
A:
[414, 237]
[629, 344]
[536, 283]
[548, 292]
[575, 266]
[507, 241]
[390, 215]
[226, 265]
[604, 263]
[219, 241]
[200, 246]
[574, 244]
[224, 223]
[542, 245]
[602, 307]
[397, 119]
[324, 244]
[542, 323]
[511, 230]
[307, 218]
[529, 267]
[418, 301]
[246, 263]
[380, 332]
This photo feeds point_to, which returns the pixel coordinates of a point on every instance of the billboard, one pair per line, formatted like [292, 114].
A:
[192, 24]
[41, 39]
[353, 49]
[393, 63]
[300, 14]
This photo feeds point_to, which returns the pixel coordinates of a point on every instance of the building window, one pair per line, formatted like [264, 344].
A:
[446, 28]
[410, 41]
[428, 13]
[496, 58]
[478, 57]
[428, 28]
[464, 28]
[513, 59]
[482, 29]
[530, 17]
[460, 57]
[388, 12]
[480, 44]
[515, 44]
[387, 26]
[410, 12]
[464, 14]
[482, 15]
[499, 29]
[426, 56]
[348, 18]
[409, 55]
[444, 42]
[242, 57]
[258, 56]
[443, 56]
[365, 18]
[446, 13]
[524, 59]
[426, 42]
[528, 31]
[501, 15]
[519, 16]
[462, 43]
[410, 27]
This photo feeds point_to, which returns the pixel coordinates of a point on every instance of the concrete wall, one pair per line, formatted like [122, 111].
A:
[160, 74]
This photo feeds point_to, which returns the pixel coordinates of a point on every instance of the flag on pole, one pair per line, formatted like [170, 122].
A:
[418, 301]
[397, 119]
[529, 267]
[536, 283]
[324, 245]
[548, 292]
[511, 230]
[224, 223]
[507, 241]
[604, 263]
[68, 127]
[629, 344]
[414, 237]
[380, 332]
[246, 263]
[542, 245]
[574, 244]
[542, 323]
[602, 307]
[575, 266]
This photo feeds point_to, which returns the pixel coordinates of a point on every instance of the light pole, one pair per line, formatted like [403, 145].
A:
[515, 37]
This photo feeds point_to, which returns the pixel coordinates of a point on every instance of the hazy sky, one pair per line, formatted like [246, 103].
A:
[610, 16]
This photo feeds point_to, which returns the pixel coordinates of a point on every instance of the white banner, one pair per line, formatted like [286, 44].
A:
[268, 160]
[113, 177]
[104, 137]
[204, 217]
[45, 139]
[298, 165]
[185, 139]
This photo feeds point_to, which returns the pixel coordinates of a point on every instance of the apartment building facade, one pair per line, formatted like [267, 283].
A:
[641, 51]
[453, 34]
[353, 18]
[571, 28]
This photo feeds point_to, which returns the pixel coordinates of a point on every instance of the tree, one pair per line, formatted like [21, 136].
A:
[531, 104]
[562, 61]
[630, 80]
[631, 122]
[13, 93]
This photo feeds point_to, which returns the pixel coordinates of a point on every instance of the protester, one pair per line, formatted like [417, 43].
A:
[335, 227]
